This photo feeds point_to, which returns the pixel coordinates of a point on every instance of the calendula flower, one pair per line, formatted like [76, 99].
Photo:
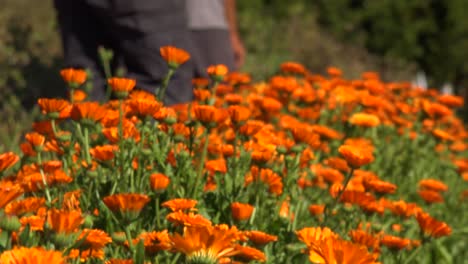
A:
[7, 160]
[433, 184]
[259, 237]
[316, 209]
[335, 250]
[86, 254]
[180, 218]
[78, 95]
[74, 77]
[364, 120]
[393, 242]
[205, 244]
[292, 67]
[87, 112]
[450, 100]
[241, 212]
[159, 182]
[208, 114]
[154, 242]
[8, 192]
[94, 239]
[128, 205]
[104, 153]
[371, 241]
[379, 186]
[217, 72]
[143, 107]
[23, 255]
[119, 261]
[36, 140]
[54, 108]
[174, 56]
[121, 86]
[27, 205]
[430, 196]
[238, 114]
[63, 221]
[431, 226]
[248, 254]
[356, 156]
[180, 204]
[312, 235]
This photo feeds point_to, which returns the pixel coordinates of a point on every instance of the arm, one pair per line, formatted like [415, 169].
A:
[236, 41]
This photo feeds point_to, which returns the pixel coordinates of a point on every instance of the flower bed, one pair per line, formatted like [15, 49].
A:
[300, 168]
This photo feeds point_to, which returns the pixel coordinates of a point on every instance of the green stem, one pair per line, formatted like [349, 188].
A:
[212, 99]
[158, 221]
[86, 145]
[44, 181]
[165, 84]
[413, 255]
[201, 165]
[129, 239]
[328, 210]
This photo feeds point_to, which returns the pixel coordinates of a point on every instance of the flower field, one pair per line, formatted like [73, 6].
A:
[300, 168]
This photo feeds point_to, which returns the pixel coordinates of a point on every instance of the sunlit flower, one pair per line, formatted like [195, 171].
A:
[154, 241]
[7, 160]
[128, 205]
[356, 156]
[174, 56]
[180, 204]
[27, 205]
[364, 119]
[393, 242]
[335, 250]
[180, 218]
[74, 77]
[8, 192]
[94, 238]
[259, 237]
[121, 86]
[55, 108]
[433, 184]
[62, 221]
[159, 182]
[248, 254]
[25, 255]
[241, 211]
[431, 226]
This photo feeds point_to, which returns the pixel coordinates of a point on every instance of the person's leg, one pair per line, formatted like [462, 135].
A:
[81, 35]
[212, 46]
[140, 28]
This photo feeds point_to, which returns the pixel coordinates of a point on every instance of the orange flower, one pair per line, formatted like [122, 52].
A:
[143, 107]
[393, 242]
[313, 235]
[174, 56]
[180, 218]
[379, 186]
[404, 209]
[94, 239]
[121, 86]
[35, 139]
[316, 209]
[433, 184]
[180, 204]
[55, 108]
[451, 100]
[209, 114]
[248, 254]
[432, 227]
[89, 111]
[8, 192]
[238, 113]
[84, 255]
[240, 211]
[293, 67]
[119, 261]
[74, 77]
[356, 156]
[334, 72]
[335, 250]
[153, 241]
[126, 202]
[25, 255]
[260, 238]
[365, 120]
[7, 160]
[205, 244]
[217, 71]
[430, 196]
[104, 153]
[159, 182]
[267, 176]
[361, 237]
[78, 95]
[27, 205]
[62, 221]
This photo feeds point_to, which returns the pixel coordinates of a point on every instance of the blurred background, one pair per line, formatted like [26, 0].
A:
[398, 39]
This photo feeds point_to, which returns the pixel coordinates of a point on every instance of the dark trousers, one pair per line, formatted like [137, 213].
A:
[134, 30]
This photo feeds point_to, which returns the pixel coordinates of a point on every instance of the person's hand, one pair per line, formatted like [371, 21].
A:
[239, 50]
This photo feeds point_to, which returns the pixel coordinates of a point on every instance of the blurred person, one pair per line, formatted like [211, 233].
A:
[134, 30]
[214, 34]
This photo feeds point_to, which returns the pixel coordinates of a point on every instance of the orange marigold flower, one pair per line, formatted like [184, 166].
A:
[27, 205]
[8, 192]
[393, 242]
[94, 239]
[154, 241]
[209, 114]
[292, 67]
[379, 186]
[159, 182]
[126, 202]
[316, 209]
[267, 176]
[7, 160]
[119, 261]
[180, 204]
[121, 86]
[91, 111]
[174, 56]
[78, 95]
[364, 119]
[73, 76]
[241, 212]
[431, 226]
[84, 255]
[334, 72]
[180, 218]
[335, 250]
[451, 100]
[248, 254]
[63, 221]
[430, 196]
[219, 70]
[404, 209]
[337, 163]
[271, 104]
[54, 108]
[361, 237]
[433, 184]
[104, 153]
[35, 223]
[259, 237]
[205, 244]
[313, 235]
[442, 135]
[25, 255]
[356, 156]
[35, 139]
[238, 113]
